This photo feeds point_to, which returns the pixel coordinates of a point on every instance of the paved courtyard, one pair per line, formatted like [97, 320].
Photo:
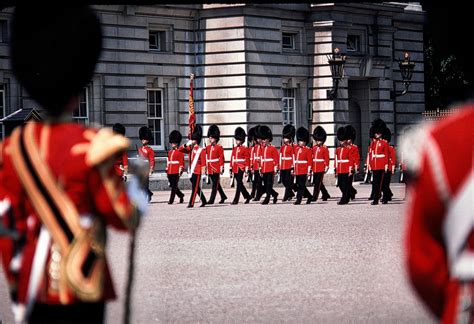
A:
[318, 263]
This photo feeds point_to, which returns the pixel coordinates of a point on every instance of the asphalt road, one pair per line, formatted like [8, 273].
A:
[318, 263]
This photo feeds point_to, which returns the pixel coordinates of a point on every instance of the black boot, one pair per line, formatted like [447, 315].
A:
[310, 199]
[375, 202]
[222, 200]
[297, 202]
[235, 202]
[181, 200]
[325, 197]
[247, 200]
[275, 199]
[266, 200]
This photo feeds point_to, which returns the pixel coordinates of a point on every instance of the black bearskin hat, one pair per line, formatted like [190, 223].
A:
[371, 132]
[214, 132]
[175, 137]
[341, 134]
[258, 134]
[239, 134]
[351, 133]
[144, 133]
[302, 134]
[266, 133]
[379, 125]
[197, 134]
[119, 129]
[70, 39]
[319, 134]
[387, 134]
[288, 132]
[251, 134]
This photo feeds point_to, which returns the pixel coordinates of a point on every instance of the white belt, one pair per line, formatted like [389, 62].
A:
[213, 160]
[286, 158]
[379, 155]
[173, 162]
[267, 160]
[300, 161]
[256, 158]
[239, 160]
[343, 161]
[318, 160]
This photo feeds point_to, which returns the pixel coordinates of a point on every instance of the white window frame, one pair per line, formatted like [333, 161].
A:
[83, 119]
[293, 37]
[154, 119]
[2, 126]
[288, 99]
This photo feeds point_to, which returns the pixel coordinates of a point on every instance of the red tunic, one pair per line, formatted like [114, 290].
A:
[379, 154]
[87, 178]
[286, 157]
[121, 163]
[255, 152]
[200, 164]
[269, 158]
[303, 160]
[440, 232]
[215, 158]
[320, 158]
[240, 159]
[175, 162]
[392, 158]
[147, 153]
[354, 156]
[342, 162]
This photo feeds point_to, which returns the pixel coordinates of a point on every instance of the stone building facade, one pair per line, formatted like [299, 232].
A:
[254, 64]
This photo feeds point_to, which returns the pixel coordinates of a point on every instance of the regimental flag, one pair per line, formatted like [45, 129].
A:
[192, 115]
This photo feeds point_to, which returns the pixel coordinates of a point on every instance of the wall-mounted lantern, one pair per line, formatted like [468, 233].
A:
[336, 63]
[406, 69]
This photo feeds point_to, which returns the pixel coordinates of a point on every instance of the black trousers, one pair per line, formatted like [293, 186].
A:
[147, 187]
[74, 313]
[196, 189]
[287, 180]
[352, 191]
[257, 186]
[301, 189]
[216, 186]
[319, 185]
[268, 183]
[377, 184]
[239, 176]
[343, 184]
[174, 179]
[387, 193]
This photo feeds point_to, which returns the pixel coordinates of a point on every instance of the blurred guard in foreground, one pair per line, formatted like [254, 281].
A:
[440, 232]
[58, 189]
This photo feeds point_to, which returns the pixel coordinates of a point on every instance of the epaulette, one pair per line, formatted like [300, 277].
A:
[104, 145]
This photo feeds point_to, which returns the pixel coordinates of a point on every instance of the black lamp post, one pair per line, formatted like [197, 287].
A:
[336, 63]
[406, 69]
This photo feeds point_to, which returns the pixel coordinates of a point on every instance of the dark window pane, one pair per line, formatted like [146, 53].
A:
[153, 40]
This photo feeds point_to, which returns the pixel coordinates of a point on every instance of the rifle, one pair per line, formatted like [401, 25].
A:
[208, 180]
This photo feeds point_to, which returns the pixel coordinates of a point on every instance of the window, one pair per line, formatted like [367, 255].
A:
[81, 114]
[289, 41]
[155, 117]
[157, 41]
[2, 110]
[3, 31]
[288, 106]
[353, 43]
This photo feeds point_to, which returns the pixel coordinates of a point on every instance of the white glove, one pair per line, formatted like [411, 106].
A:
[137, 195]
[204, 177]
[189, 143]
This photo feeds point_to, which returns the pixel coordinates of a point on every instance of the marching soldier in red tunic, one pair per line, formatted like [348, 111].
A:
[147, 153]
[175, 166]
[121, 165]
[239, 165]
[287, 156]
[303, 162]
[215, 163]
[268, 163]
[392, 160]
[380, 159]
[255, 152]
[343, 166]
[197, 165]
[320, 163]
[58, 188]
[439, 240]
[370, 162]
[354, 157]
